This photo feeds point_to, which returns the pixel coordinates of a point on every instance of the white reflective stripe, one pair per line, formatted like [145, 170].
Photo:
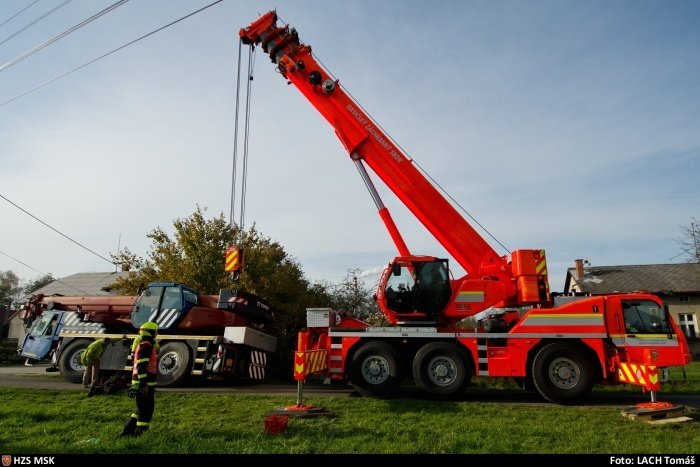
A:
[483, 360]
[256, 372]
[644, 342]
[336, 358]
[258, 358]
[336, 346]
[167, 318]
[483, 372]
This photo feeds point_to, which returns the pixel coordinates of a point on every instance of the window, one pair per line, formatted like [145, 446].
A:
[684, 299]
[644, 317]
[689, 324]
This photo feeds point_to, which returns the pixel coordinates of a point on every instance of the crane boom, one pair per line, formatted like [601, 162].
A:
[491, 279]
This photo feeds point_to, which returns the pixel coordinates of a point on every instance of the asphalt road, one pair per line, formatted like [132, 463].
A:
[21, 376]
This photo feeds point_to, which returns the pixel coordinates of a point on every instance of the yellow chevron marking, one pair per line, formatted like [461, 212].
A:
[630, 376]
[621, 375]
[653, 379]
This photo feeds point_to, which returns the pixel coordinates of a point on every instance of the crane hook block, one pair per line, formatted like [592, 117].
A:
[234, 260]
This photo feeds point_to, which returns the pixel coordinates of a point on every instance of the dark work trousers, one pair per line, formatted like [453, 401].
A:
[145, 405]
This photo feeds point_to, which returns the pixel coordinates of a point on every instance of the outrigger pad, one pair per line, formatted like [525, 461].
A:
[249, 305]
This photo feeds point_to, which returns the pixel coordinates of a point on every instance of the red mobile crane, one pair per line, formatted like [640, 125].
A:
[560, 350]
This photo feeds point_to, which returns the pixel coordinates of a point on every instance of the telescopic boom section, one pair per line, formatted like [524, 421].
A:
[366, 142]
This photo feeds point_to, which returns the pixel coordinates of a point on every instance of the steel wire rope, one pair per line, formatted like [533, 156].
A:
[235, 141]
[249, 97]
[62, 35]
[57, 231]
[45, 83]
[16, 33]
[420, 168]
[45, 274]
[17, 14]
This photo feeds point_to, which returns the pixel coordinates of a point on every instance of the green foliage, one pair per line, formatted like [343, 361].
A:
[194, 255]
[9, 289]
[66, 422]
[38, 283]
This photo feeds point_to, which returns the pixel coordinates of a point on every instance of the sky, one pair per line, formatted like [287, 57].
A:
[564, 125]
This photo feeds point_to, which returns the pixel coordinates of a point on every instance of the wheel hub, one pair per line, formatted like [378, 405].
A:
[375, 370]
[442, 371]
[564, 373]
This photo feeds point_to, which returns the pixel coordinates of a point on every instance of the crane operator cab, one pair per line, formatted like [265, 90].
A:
[415, 288]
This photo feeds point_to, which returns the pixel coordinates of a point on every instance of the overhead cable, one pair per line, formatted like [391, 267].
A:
[62, 35]
[66, 2]
[57, 231]
[45, 83]
[17, 14]
[43, 273]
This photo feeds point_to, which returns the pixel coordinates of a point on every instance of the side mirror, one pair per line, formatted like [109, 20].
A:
[396, 269]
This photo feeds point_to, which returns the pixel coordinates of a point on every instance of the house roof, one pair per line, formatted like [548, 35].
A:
[654, 278]
[83, 283]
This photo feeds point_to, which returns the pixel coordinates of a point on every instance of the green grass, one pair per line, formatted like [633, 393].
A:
[34, 421]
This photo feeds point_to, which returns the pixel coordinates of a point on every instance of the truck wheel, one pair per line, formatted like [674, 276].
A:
[375, 370]
[174, 363]
[69, 360]
[562, 373]
[441, 369]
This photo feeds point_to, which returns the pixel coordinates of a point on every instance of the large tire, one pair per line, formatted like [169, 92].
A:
[562, 373]
[174, 363]
[441, 369]
[69, 360]
[375, 370]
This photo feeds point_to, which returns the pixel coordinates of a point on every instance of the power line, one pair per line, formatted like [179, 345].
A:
[62, 35]
[17, 14]
[57, 231]
[45, 83]
[43, 273]
[66, 2]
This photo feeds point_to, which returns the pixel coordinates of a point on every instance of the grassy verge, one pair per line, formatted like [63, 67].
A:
[67, 422]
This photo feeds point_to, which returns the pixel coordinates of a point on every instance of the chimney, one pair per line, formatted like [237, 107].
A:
[579, 269]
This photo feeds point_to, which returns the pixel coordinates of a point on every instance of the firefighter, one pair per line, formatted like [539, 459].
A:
[143, 379]
[91, 360]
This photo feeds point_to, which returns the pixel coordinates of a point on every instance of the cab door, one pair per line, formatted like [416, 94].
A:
[647, 331]
[41, 337]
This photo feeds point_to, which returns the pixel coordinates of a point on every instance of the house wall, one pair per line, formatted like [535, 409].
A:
[689, 307]
[16, 328]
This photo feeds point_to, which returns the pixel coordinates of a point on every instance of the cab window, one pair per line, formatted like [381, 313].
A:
[644, 317]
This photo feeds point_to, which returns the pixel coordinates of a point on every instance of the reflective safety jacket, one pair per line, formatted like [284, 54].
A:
[93, 352]
[145, 364]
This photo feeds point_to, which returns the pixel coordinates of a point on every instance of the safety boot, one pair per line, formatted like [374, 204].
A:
[129, 427]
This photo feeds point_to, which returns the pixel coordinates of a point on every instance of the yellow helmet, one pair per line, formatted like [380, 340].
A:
[149, 326]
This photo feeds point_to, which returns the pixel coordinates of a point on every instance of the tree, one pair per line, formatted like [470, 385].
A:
[9, 290]
[353, 295]
[195, 255]
[38, 283]
[689, 241]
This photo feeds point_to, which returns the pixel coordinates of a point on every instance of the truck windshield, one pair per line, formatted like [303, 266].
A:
[45, 325]
[147, 305]
[644, 317]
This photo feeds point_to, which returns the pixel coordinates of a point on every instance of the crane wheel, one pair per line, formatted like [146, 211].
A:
[562, 373]
[375, 370]
[441, 369]
[69, 360]
[174, 363]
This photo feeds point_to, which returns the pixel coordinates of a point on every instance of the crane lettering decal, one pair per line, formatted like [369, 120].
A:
[376, 134]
